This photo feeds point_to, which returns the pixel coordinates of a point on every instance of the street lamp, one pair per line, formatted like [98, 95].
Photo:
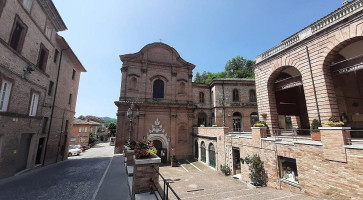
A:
[132, 114]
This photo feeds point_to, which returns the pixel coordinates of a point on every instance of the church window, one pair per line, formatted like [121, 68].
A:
[158, 89]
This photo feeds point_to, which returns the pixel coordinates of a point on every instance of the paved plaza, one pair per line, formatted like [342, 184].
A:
[200, 182]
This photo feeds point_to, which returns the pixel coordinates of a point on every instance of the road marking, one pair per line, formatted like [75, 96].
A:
[101, 181]
[194, 165]
[294, 195]
[183, 167]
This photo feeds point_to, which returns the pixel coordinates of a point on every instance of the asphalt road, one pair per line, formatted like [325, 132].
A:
[94, 175]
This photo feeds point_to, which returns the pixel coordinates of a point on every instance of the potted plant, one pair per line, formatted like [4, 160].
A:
[264, 115]
[144, 149]
[225, 169]
[173, 161]
[334, 122]
[315, 133]
[260, 124]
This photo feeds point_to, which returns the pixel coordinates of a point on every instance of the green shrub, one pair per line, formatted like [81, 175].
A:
[315, 124]
[225, 169]
[257, 174]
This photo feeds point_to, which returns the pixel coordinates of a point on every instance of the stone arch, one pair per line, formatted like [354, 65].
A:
[339, 58]
[164, 141]
[211, 155]
[203, 151]
[279, 72]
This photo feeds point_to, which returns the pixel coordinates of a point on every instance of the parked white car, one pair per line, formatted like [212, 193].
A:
[74, 151]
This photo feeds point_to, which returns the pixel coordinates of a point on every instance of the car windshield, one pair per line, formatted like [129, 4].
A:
[72, 147]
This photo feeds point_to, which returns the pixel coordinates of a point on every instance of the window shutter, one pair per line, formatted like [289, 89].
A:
[5, 95]
[34, 105]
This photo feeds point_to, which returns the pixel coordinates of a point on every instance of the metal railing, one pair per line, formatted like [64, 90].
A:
[167, 187]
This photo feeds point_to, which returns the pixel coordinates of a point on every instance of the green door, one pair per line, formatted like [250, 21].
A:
[212, 156]
[203, 152]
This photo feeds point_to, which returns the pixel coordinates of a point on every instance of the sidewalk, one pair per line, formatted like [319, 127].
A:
[114, 185]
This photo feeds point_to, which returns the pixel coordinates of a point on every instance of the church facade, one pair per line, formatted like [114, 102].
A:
[158, 83]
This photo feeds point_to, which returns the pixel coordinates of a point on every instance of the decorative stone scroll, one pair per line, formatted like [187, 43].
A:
[157, 128]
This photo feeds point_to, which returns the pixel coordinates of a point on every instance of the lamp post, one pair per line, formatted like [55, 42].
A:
[132, 114]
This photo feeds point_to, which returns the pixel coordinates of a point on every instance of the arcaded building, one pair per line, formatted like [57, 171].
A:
[314, 74]
[39, 77]
[158, 82]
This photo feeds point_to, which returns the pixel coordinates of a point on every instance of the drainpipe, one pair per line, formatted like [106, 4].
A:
[60, 136]
[53, 105]
[224, 111]
[312, 79]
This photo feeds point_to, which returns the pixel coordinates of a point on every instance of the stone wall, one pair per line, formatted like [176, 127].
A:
[317, 176]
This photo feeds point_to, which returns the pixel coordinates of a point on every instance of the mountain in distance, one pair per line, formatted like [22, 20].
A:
[108, 118]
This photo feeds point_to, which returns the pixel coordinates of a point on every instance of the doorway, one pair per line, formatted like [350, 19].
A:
[39, 151]
[23, 152]
[236, 161]
[212, 155]
[161, 152]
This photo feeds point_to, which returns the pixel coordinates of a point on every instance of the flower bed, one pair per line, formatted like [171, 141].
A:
[333, 121]
[144, 149]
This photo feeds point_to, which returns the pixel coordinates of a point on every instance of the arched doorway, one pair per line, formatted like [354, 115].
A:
[289, 99]
[196, 152]
[162, 152]
[212, 155]
[202, 119]
[345, 65]
[237, 122]
[203, 152]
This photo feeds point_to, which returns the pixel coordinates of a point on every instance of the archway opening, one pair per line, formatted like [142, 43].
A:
[202, 119]
[345, 63]
[203, 152]
[161, 152]
[212, 155]
[290, 99]
[237, 122]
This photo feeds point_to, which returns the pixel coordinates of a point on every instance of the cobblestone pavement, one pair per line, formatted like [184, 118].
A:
[206, 184]
[95, 174]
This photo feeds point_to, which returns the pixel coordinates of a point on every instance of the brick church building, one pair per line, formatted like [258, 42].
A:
[158, 82]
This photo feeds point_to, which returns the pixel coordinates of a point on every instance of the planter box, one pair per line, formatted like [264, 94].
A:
[315, 136]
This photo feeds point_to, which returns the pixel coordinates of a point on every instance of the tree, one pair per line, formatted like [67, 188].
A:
[239, 67]
[112, 129]
[257, 174]
[198, 78]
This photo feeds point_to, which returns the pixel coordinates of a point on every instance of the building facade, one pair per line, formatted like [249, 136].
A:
[158, 82]
[314, 74]
[81, 131]
[39, 77]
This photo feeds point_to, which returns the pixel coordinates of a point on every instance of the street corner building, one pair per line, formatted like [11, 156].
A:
[157, 83]
[81, 130]
[39, 78]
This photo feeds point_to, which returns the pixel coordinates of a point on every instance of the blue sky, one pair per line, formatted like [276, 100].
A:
[206, 33]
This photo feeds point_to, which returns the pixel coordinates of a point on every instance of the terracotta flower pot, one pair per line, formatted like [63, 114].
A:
[315, 135]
